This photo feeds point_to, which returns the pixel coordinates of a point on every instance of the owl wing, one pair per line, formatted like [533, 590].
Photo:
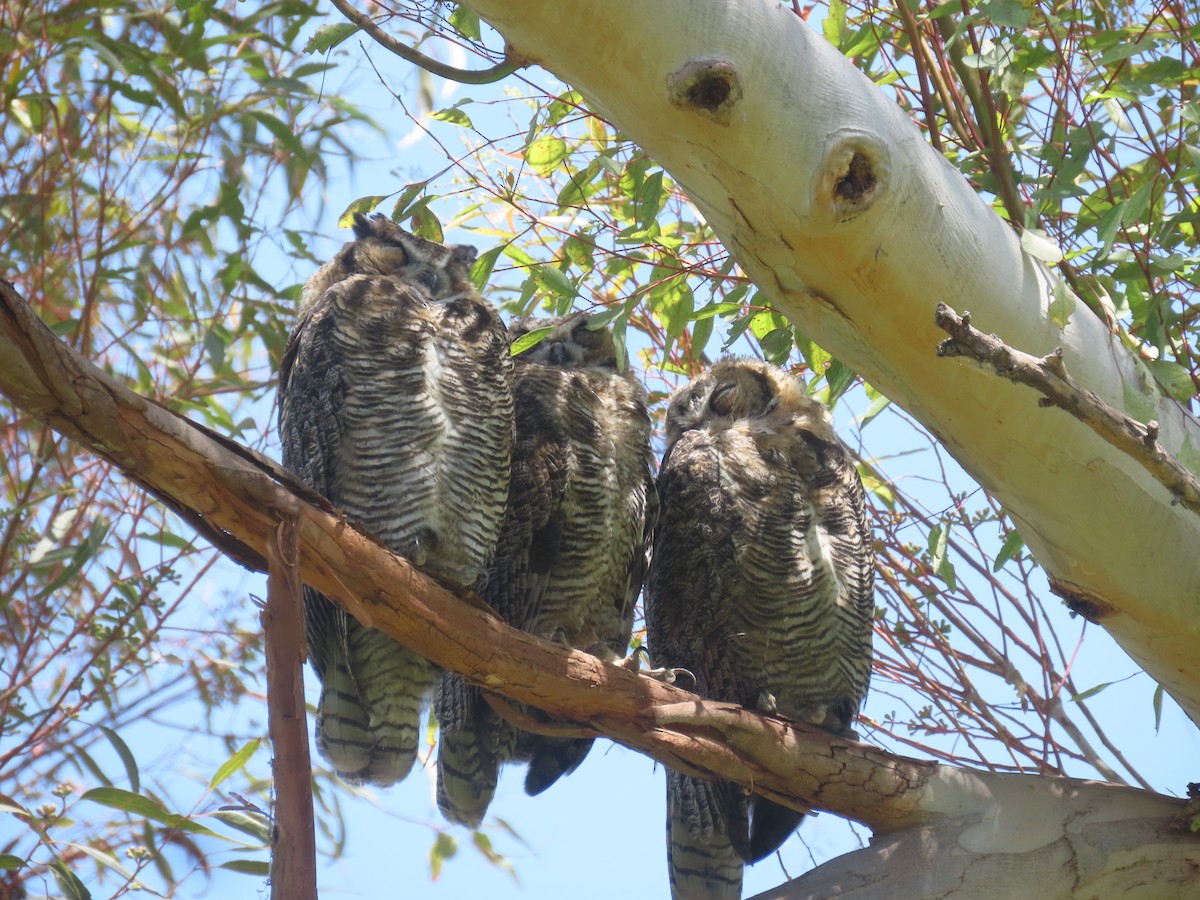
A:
[311, 395]
[842, 515]
[691, 577]
[372, 688]
[474, 741]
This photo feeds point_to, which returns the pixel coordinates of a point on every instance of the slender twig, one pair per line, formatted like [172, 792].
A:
[500, 70]
[1048, 375]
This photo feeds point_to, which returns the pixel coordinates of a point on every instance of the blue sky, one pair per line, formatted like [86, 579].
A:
[599, 832]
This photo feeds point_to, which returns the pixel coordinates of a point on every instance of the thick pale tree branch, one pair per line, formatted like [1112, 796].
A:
[242, 499]
[834, 204]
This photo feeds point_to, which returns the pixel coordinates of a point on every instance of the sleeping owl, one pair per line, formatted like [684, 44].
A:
[573, 546]
[761, 586]
[395, 403]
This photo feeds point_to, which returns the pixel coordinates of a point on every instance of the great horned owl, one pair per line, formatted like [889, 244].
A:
[761, 586]
[573, 546]
[396, 404]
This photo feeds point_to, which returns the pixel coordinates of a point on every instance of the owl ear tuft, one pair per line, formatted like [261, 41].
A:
[464, 253]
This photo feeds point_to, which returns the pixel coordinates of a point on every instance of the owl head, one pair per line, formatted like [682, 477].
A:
[383, 248]
[569, 342]
[741, 391]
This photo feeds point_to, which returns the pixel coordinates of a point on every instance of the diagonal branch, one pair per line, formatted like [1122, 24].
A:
[242, 498]
[1048, 375]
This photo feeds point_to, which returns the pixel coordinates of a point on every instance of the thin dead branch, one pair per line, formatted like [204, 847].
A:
[1048, 375]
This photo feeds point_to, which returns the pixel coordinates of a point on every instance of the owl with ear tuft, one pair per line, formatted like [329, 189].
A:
[395, 403]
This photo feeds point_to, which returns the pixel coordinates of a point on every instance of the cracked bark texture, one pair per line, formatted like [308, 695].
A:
[834, 204]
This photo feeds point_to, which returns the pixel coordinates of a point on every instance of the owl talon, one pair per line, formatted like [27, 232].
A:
[767, 703]
[670, 675]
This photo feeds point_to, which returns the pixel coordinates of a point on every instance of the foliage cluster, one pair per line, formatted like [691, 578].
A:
[160, 195]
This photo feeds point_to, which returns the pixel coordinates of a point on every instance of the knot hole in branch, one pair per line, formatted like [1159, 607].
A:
[855, 172]
[707, 86]
[858, 181]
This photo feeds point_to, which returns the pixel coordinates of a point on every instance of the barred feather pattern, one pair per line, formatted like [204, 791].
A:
[573, 547]
[761, 586]
[396, 404]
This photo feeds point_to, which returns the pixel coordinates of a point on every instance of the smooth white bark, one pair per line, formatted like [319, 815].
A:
[1078, 841]
[758, 118]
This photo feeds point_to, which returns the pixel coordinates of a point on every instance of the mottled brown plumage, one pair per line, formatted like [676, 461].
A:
[572, 550]
[396, 404]
[761, 586]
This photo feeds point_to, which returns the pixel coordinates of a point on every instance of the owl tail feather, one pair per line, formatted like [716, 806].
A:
[550, 759]
[702, 861]
[469, 751]
[770, 825]
[369, 714]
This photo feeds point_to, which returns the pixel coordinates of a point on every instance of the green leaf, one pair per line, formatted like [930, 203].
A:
[68, 882]
[555, 280]
[1008, 550]
[649, 199]
[8, 861]
[329, 36]
[546, 154]
[280, 131]
[247, 867]
[530, 339]
[405, 205]
[1172, 378]
[1117, 113]
[673, 302]
[466, 23]
[880, 489]
[1091, 692]
[427, 225]
[1007, 13]
[361, 205]
[878, 405]
[234, 763]
[1062, 304]
[834, 24]
[137, 805]
[839, 377]
[255, 824]
[127, 760]
[107, 860]
[1106, 228]
[444, 847]
[939, 538]
[481, 271]
[1158, 700]
[454, 116]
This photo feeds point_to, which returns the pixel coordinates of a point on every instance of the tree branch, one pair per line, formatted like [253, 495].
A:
[859, 270]
[1048, 375]
[489, 75]
[244, 498]
[293, 843]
